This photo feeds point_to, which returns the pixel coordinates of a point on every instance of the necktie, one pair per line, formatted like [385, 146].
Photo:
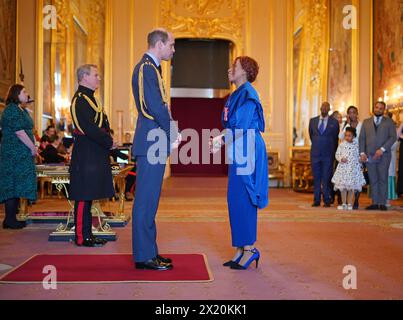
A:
[378, 121]
[322, 126]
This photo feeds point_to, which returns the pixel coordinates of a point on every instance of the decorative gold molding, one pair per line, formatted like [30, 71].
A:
[211, 19]
[17, 46]
[39, 66]
[355, 59]
[108, 60]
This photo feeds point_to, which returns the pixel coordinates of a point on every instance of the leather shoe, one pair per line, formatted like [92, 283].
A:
[154, 264]
[316, 204]
[16, 225]
[91, 242]
[327, 205]
[164, 259]
[99, 240]
[383, 207]
[229, 263]
[372, 207]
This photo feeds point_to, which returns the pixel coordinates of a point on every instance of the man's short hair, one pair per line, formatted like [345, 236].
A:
[382, 103]
[157, 35]
[84, 70]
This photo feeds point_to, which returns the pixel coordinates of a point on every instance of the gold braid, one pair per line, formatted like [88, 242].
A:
[164, 95]
[98, 111]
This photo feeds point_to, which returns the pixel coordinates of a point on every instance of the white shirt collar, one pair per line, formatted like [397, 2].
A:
[154, 58]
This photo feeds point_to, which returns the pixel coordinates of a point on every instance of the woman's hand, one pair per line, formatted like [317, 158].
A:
[344, 160]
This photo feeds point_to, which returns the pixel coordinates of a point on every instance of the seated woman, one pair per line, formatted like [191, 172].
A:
[50, 154]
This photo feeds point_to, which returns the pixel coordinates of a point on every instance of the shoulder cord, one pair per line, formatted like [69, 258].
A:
[96, 107]
[143, 105]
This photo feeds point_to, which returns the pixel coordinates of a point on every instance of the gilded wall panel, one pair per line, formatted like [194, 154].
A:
[8, 25]
[213, 19]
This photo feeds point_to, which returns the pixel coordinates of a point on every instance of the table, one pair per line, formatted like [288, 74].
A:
[60, 178]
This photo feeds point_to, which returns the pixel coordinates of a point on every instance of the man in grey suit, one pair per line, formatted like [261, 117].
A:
[377, 136]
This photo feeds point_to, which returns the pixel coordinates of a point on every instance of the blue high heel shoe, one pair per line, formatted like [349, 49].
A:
[233, 262]
[254, 257]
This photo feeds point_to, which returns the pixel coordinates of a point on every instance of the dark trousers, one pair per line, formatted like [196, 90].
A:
[378, 180]
[146, 200]
[322, 169]
[82, 220]
[11, 209]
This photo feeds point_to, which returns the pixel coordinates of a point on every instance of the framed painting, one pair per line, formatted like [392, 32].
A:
[388, 51]
[340, 58]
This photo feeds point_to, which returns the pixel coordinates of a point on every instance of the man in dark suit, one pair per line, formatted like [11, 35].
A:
[90, 170]
[324, 135]
[154, 122]
[377, 136]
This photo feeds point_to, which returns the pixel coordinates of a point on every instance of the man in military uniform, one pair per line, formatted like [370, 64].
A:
[154, 118]
[90, 170]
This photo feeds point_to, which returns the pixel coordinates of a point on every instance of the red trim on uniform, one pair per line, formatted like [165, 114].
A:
[132, 173]
[79, 223]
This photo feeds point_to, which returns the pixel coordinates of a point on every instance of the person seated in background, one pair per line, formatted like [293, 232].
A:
[128, 140]
[50, 154]
[50, 131]
[115, 153]
[43, 143]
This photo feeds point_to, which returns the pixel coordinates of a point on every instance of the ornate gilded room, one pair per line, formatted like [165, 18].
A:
[336, 63]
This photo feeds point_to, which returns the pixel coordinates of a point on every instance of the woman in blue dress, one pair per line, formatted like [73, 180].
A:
[248, 182]
[17, 152]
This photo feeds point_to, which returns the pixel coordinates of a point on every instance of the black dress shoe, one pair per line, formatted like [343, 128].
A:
[229, 263]
[372, 207]
[383, 207]
[154, 264]
[90, 243]
[15, 225]
[98, 240]
[164, 259]
[327, 205]
[316, 204]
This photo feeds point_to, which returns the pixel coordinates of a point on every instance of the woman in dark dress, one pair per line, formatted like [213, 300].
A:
[17, 152]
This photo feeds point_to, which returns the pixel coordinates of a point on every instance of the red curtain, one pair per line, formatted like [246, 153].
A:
[198, 114]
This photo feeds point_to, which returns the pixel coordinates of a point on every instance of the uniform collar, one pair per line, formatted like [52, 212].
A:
[87, 91]
[157, 63]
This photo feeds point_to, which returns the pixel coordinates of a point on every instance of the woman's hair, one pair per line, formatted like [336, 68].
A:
[352, 107]
[352, 130]
[250, 66]
[13, 93]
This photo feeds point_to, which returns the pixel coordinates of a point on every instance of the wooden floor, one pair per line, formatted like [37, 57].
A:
[304, 249]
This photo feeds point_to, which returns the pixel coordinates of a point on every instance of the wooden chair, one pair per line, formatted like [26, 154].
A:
[276, 168]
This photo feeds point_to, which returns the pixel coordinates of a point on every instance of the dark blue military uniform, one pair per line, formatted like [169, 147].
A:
[153, 114]
[90, 170]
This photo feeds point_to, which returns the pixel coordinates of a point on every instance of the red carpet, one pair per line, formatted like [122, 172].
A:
[108, 268]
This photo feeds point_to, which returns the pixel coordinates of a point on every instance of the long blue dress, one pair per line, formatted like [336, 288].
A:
[248, 180]
[17, 167]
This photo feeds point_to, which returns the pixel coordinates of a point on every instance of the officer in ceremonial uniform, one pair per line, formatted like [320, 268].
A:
[90, 170]
[154, 117]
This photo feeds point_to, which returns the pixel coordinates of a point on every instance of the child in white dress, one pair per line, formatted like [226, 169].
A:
[348, 177]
